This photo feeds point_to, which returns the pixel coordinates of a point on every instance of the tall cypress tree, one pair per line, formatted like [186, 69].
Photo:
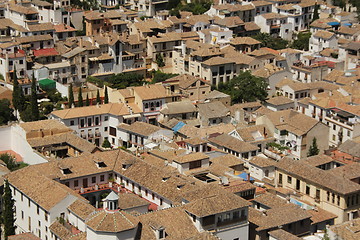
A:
[18, 95]
[87, 100]
[35, 114]
[71, 96]
[80, 98]
[313, 149]
[316, 12]
[8, 214]
[98, 100]
[106, 97]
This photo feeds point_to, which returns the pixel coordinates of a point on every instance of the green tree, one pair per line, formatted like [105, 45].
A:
[71, 96]
[17, 95]
[87, 100]
[8, 213]
[160, 76]
[316, 12]
[6, 112]
[106, 96]
[124, 80]
[98, 99]
[160, 60]
[106, 143]
[313, 150]
[80, 98]
[245, 88]
[271, 42]
[25, 115]
[35, 114]
[302, 41]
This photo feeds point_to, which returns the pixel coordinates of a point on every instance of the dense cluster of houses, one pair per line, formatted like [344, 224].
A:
[177, 159]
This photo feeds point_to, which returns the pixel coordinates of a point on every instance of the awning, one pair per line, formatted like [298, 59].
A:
[244, 176]
[178, 126]
[333, 23]
[132, 116]
[93, 59]
[46, 84]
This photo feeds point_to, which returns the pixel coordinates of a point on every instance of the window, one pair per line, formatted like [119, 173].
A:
[46, 216]
[161, 233]
[113, 131]
[280, 178]
[153, 196]
[307, 190]
[72, 123]
[37, 209]
[76, 183]
[97, 121]
[82, 123]
[102, 178]
[289, 179]
[22, 214]
[89, 122]
[195, 164]
[161, 201]
[106, 118]
[105, 129]
[93, 179]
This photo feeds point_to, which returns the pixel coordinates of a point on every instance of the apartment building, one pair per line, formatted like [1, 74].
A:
[274, 24]
[284, 125]
[194, 88]
[141, 135]
[321, 40]
[320, 186]
[342, 118]
[97, 122]
[149, 99]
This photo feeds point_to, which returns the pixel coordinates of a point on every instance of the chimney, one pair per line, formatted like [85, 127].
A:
[93, 40]
[80, 42]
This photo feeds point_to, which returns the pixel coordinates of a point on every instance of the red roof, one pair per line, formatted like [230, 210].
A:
[45, 52]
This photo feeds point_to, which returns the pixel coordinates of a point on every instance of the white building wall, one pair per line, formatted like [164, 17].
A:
[16, 140]
[241, 233]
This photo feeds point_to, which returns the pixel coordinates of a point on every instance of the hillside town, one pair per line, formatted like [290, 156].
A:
[180, 120]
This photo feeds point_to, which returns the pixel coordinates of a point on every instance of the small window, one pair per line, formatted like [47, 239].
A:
[76, 183]
[289, 179]
[93, 180]
[72, 123]
[102, 178]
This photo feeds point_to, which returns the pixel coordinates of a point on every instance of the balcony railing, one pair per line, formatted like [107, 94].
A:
[231, 221]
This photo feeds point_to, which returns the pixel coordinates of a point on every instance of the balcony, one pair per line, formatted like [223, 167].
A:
[97, 134]
[90, 135]
[231, 221]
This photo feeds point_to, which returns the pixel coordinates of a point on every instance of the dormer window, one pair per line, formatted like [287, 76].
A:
[164, 179]
[162, 233]
[66, 171]
[101, 164]
[180, 186]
